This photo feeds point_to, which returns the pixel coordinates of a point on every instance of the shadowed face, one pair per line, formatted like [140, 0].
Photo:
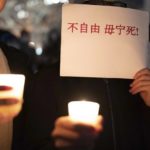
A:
[2, 4]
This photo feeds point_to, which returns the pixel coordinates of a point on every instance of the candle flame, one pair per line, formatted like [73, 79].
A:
[84, 111]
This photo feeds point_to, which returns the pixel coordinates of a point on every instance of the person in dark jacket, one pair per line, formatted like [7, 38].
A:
[126, 117]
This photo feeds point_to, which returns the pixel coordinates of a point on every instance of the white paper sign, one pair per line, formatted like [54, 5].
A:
[103, 41]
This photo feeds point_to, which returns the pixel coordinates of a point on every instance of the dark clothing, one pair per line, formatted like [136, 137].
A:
[18, 62]
[126, 118]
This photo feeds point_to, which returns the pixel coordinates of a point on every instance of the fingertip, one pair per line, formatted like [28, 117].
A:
[131, 84]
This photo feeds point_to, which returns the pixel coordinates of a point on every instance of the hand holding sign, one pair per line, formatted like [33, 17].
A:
[141, 84]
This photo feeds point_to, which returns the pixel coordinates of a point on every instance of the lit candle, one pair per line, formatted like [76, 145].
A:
[16, 82]
[11, 94]
[83, 111]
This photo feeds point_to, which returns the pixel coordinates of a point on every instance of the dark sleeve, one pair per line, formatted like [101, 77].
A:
[38, 115]
[17, 59]
[146, 125]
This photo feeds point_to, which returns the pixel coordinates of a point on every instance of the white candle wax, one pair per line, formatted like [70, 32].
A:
[83, 111]
[16, 81]
[11, 99]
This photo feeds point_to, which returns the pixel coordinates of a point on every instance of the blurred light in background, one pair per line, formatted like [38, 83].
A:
[32, 44]
[39, 51]
[18, 7]
[50, 2]
[22, 14]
